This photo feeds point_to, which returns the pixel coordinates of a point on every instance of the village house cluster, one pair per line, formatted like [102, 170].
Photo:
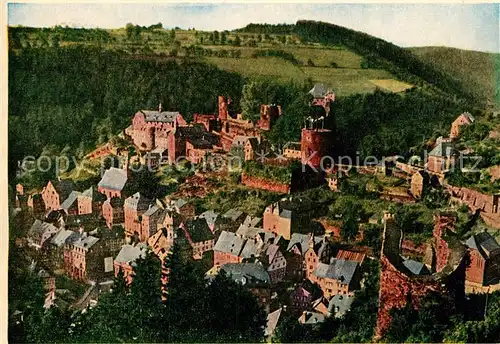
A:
[92, 234]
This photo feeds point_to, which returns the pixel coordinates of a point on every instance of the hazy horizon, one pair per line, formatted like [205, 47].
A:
[462, 26]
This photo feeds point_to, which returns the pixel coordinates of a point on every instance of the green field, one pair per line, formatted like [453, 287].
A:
[335, 66]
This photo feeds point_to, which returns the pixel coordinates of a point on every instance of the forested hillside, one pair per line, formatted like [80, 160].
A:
[476, 71]
[81, 96]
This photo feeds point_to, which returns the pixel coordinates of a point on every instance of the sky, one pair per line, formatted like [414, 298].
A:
[465, 26]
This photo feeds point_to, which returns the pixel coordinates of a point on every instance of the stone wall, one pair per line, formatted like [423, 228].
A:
[488, 205]
[264, 184]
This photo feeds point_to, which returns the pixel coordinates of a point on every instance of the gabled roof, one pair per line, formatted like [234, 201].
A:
[64, 188]
[115, 202]
[91, 192]
[247, 273]
[152, 210]
[156, 116]
[252, 221]
[232, 214]
[210, 216]
[72, 198]
[467, 116]
[198, 230]
[114, 179]
[318, 91]
[86, 241]
[340, 304]
[229, 243]
[302, 242]
[272, 322]
[485, 243]
[443, 149]
[254, 143]
[351, 255]
[339, 269]
[129, 253]
[63, 237]
[179, 203]
[39, 228]
[311, 318]
[415, 267]
[250, 249]
[137, 202]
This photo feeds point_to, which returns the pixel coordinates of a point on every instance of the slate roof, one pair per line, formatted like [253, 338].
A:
[254, 143]
[318, 91]
[339, 269]
[64, 188]
[114, 179]
[63, 237]
[415, 267]
[86, 241]
[72, 198]
[272, 322]
[311, 318]
[340, 304]
[156, 116]
[302, 242]
[252, 221]
[198, 230]
[180, 203]
[232, 214]
[90, 193]
[129, 253]
[443, 149]
[485, 243]
[39, 228]
[468, 117]
[229, 243]
[152, 210]
[210, 216]
[137, 202]
[250, 249]
[116, 202]
[247, 273]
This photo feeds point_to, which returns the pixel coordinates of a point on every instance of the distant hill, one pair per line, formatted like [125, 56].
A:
[376, 53]
[477, 72]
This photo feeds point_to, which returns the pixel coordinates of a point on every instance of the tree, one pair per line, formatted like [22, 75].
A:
[172, 35]
[223, 37]
[237, 41]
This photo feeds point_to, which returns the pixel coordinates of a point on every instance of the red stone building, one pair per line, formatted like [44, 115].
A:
[113, 181]
[464, 119]
[292, 151]
[199, 236]
[149, 129]
[133, 209]
[283, 217]
[268, 116]
[89, 257]
[54, 194]
[484, 266]
[441, 158]
[149, 223]
[322, 97]
[36, 204]
[90, 201]
[126, 260]
[112, 211]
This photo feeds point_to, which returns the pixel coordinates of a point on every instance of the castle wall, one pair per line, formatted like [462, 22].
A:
[264, 184]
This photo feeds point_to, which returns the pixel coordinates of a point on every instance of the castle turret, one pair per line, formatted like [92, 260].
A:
[222, 108]
[315, 144]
